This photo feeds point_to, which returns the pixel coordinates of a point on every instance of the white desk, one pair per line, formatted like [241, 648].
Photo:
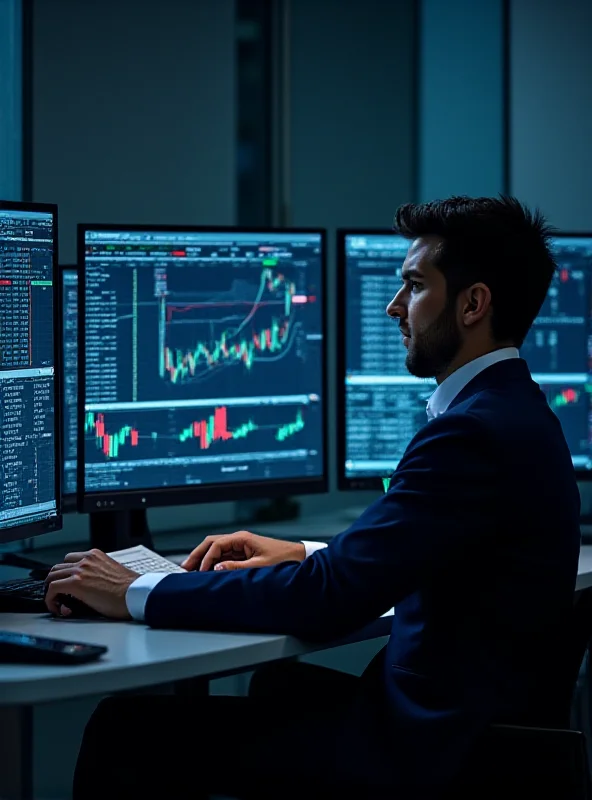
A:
[137, 657]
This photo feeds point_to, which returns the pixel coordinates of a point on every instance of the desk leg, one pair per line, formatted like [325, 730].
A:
[16, 753]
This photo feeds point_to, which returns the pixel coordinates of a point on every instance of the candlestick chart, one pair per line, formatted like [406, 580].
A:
[202, 444]
[249, 325]
[200, 435]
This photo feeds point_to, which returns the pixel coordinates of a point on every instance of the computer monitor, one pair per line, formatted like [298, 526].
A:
[69, 292]
[30, 501]
[381, 406]
[558, 348]
[202, 358]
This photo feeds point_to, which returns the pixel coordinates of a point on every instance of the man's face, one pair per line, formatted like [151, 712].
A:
[427, 320]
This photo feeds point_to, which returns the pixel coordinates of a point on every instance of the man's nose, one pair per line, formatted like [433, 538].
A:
[396, 309]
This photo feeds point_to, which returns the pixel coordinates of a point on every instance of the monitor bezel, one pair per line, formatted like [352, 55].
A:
[220, 492]
[69, 500]
[344, 482]
[25, 531]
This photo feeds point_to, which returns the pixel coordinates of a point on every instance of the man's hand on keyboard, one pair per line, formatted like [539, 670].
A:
[242, 550]
[93, 578]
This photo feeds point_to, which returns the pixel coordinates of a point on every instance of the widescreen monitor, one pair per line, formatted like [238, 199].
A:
[202, 365]
[382, 406]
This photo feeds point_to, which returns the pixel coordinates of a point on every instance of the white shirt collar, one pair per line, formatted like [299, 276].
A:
[455, 383]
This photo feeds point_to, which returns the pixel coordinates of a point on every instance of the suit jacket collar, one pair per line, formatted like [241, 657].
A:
[454, 383]
[510, 371]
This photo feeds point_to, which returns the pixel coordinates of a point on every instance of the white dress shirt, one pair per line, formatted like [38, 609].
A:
[440, 400]
[455, 383]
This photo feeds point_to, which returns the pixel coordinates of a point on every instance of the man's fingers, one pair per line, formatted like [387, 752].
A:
[230, 565]
[213, 555]
[194, 558]
[57, 587]
[57, 568]
[248, 563]
[228, 543]
[75, 557]
[59, 572]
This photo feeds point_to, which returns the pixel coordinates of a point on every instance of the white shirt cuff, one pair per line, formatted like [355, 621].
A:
[309, 548]
[138, 591]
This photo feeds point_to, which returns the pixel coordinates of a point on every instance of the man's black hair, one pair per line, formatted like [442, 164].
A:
[495, 241]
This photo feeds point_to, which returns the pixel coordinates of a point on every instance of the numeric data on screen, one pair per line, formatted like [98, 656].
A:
[28, 461]
[27, 368]
[384, 405]
[70, 385]
[26, 276]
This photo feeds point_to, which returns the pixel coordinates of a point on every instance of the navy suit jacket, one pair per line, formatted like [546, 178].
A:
[476, 544]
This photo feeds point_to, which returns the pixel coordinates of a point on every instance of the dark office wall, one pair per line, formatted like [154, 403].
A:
[133, 111]
[134, 121]
[462, 146]
[353, 124]
[10, 99]
[353, 143]
[551, 109]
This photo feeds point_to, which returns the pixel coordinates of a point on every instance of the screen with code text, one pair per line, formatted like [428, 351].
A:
[27, 370]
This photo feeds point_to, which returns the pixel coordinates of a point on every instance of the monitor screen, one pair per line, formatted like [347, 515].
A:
[28, 381]
[203, 364]
[383, 406]
[558, 346]
[70, 381]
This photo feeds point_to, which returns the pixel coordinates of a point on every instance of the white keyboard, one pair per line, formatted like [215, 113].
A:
[143, 560]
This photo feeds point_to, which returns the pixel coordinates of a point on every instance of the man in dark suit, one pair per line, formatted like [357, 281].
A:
[475, 543]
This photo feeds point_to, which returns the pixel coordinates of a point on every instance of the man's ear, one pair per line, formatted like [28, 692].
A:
[476, 301]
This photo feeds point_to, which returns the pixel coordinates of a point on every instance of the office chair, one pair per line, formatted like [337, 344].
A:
[546, 760]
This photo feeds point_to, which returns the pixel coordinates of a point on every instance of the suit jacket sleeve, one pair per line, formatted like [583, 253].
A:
[442, 500]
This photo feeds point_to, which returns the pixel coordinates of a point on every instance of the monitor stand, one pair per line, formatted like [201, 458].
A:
[117, 530]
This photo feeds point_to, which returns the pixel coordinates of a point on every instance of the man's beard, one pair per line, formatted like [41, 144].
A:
[431, 351]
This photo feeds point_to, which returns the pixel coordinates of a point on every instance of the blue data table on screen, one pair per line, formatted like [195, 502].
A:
[29, 372]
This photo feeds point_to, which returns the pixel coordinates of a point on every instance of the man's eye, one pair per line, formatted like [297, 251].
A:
[415, 286]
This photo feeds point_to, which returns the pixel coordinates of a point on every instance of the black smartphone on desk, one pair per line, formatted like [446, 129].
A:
[24, 648]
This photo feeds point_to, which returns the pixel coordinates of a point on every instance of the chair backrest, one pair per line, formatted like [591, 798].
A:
[550, 706]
